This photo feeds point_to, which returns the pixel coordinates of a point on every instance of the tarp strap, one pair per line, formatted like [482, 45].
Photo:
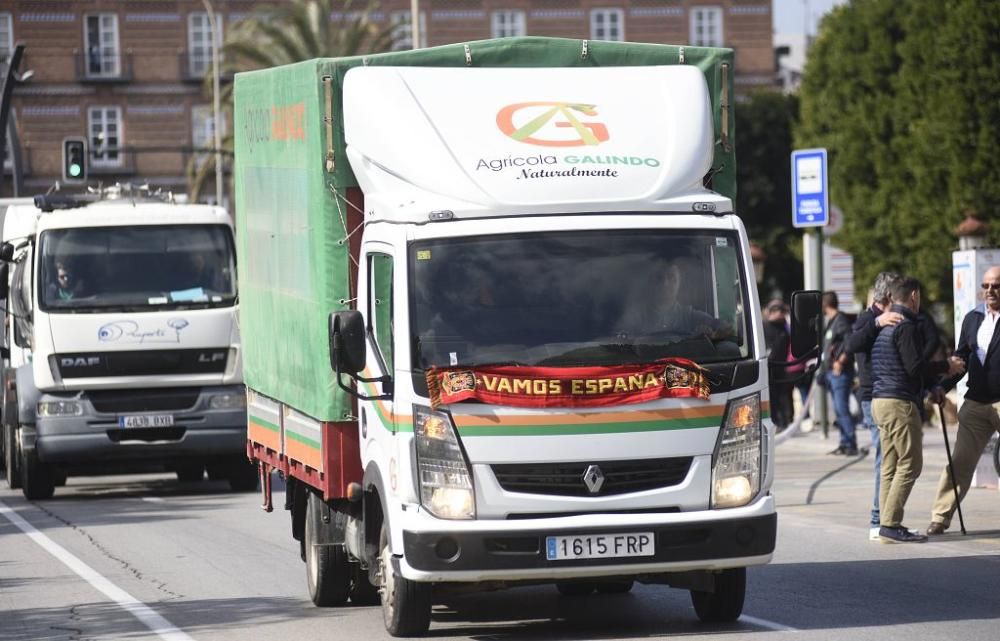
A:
[346, 240]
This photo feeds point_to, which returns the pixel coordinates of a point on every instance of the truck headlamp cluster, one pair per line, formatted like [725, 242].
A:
[443, 474]
[228, 402]
[52, 409]
[736, 471]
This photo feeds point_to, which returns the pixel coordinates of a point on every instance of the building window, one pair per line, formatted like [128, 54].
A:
[102, 45]
[203, 131]
[607, 24]
[508, 24]
[402, 30]
[706, 26]
[6, 37]
[200, 43]
[105, 127]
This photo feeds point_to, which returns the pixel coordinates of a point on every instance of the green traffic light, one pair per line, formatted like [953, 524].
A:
[74, 170]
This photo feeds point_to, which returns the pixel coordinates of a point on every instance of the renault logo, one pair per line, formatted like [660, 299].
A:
[593, 478]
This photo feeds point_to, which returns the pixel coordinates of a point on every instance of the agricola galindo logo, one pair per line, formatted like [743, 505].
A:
[553, 124]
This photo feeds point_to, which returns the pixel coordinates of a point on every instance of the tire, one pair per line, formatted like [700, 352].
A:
[362, 592]
[190, 472]
[406, 605]
[37, 478]
[996, 456]
[615, 587]
[243, 475]
[13, 457]
[725, 604]
[575, 589]
[327, 572]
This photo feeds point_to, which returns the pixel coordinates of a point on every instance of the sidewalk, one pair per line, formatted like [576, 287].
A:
[809, 478]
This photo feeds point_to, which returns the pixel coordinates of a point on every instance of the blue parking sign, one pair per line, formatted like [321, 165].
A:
[810, 195]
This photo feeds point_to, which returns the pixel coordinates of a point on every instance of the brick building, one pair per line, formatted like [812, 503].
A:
[128, 74]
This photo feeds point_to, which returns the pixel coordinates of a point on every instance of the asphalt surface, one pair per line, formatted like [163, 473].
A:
[166, 560]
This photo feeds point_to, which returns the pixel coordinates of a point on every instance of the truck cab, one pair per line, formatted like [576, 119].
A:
[124, 352]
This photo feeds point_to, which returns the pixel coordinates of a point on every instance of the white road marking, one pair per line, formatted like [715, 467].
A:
[152, 499]
[764, 623]
[156, 623]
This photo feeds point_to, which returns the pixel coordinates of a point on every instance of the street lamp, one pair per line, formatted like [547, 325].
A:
[216, 108]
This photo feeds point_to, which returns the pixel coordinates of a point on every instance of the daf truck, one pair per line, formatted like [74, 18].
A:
[500, 322]
[121, 345]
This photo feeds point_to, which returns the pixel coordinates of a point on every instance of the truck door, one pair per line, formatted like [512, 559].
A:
[379, 269]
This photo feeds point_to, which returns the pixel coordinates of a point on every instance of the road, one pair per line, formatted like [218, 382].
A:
[164, 560]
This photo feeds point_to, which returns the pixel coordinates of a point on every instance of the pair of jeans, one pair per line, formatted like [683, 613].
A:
[840, 390]
[866, 410]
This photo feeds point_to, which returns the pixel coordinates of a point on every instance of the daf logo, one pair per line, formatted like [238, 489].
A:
[593, 478]
[80, 361]
[211, 357]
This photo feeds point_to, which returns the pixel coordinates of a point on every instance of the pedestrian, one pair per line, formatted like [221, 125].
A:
[838, 372]
[979, 348]
[776, 339]
[899, 374]
[859, 343]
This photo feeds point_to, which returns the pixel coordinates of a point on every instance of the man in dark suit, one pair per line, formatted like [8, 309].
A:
[979, 346]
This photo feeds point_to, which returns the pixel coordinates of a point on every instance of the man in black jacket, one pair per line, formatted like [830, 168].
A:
[979, 346]
[839, 372]
[860, 342]
[900, 372]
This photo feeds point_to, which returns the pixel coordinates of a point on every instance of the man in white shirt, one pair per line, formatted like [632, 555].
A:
[979, 346]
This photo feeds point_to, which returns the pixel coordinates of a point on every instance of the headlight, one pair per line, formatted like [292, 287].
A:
[228, 401]
[48, 409]
[445, 481]
[736, 470]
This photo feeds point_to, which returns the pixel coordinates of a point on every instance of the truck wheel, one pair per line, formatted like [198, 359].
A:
[13, 457]
[362, 592]
[614, 587]
[243, 475]
[406, 605]
[726, 603]
[326, 565]
[37, 479]
[575, 588]
[190, 472]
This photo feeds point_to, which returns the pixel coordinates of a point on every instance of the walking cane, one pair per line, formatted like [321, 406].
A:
[951, 467]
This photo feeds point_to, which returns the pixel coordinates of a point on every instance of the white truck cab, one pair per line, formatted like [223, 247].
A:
[123, 345]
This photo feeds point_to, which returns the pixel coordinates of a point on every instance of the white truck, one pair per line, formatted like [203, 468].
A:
[121, 346]
[500, 325]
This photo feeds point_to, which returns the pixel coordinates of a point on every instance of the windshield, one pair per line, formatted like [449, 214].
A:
[578, 298]
[134, 268]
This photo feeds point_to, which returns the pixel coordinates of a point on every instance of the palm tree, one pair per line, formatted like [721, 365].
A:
[291, 32]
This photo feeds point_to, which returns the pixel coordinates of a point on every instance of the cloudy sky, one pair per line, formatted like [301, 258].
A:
[790, 15]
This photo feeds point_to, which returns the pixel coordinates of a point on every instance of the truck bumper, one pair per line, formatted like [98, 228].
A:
[199, 430]
[516, 550]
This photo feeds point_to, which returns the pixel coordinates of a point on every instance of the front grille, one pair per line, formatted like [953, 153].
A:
[147, 434]
[144, 400]
[153, 362]
[566, 479]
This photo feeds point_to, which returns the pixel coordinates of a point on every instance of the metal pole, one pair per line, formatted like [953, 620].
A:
[819, 285]
[9, 78]
[415, 35]
[216, 106]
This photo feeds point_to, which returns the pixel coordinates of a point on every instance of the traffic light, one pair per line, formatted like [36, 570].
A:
[74, 160]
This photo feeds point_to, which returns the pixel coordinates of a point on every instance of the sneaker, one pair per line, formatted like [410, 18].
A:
[873, 533]
[837, 452]
[900, 535]
[850, 451]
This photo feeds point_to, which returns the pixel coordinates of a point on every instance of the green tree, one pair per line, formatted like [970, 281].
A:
[290, 32]
[763, 165]
[905, 96]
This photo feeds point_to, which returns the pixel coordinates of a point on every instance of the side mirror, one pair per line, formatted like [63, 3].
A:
[7, 252]
[805, 322]
[347, 342]
[4, 280]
